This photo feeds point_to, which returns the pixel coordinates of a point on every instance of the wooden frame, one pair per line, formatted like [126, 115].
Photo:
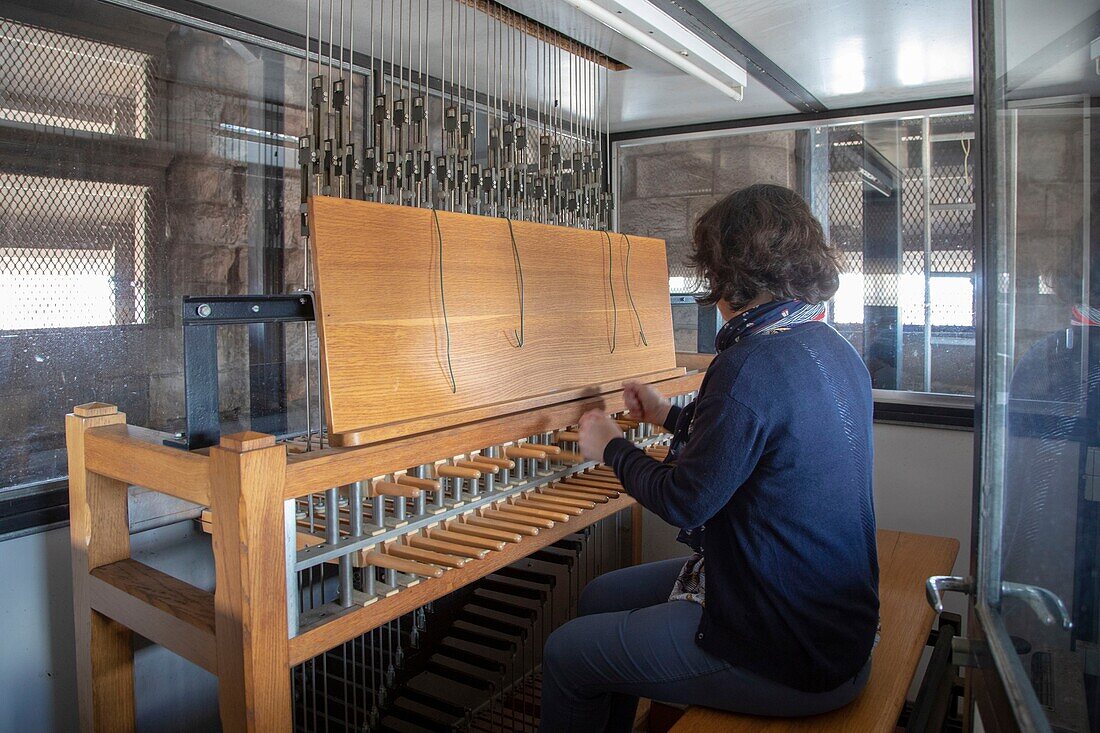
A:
[241, 632]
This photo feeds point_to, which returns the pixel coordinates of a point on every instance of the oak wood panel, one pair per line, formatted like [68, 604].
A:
[138, 456]
[352, 622]
[905, 562]
[163, 609]
[429, 425]
[693, 361]
[250, 596]
[384, 354]
[320, 469]
[99, 534]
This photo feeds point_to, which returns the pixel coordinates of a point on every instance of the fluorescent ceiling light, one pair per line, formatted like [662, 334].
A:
[656, 31]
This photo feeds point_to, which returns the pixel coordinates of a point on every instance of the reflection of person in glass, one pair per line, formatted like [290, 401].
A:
[1050, 510]
[882, 352]
[774, 458]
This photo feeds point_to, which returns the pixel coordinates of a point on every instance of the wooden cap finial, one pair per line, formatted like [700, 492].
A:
[95, 409]
[246, 441]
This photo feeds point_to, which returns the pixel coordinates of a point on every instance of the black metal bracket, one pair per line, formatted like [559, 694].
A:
[937, 698]
[202, 315]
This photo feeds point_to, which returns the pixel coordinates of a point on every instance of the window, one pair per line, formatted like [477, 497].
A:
[895, 198]
[142, 161]
[72, 253]
[63, 81]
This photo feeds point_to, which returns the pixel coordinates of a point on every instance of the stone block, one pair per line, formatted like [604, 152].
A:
[202, 180]
[209, 263]
[166, 400]
[685, 316]
[686, 339]
[654, 217]
[213, 222]
[749, 163]
[674, 174]
[233, 347]
[233, 391]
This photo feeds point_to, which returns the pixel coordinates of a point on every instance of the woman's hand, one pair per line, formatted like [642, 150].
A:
[645, 403]
[597, 430]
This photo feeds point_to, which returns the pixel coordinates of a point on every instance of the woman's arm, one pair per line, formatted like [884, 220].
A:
[725, 444]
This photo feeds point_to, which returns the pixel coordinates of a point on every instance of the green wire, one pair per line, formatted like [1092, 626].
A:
[611, 282]
[626, 274]
[519, 276]
[443, 302]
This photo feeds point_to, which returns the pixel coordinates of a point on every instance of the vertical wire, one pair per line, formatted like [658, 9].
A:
[351, 89]
[305, 239]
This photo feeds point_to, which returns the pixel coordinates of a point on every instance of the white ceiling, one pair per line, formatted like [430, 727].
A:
[845, 52]
[851, 53]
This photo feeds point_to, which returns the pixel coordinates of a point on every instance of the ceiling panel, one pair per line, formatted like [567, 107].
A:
[652, 93]
[859, 52]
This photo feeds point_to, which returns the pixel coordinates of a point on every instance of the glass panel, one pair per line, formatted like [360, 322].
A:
[1040, 529]
[141, 161]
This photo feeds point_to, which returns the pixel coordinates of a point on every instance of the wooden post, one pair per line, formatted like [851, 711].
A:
[247, 474]
[100, 534]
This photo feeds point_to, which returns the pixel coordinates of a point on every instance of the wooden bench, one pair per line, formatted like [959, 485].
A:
[905, 562]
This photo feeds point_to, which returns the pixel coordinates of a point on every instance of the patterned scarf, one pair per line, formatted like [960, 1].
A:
[769, 318]
[1084, 315]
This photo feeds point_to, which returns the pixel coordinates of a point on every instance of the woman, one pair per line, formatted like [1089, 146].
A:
[769, 476]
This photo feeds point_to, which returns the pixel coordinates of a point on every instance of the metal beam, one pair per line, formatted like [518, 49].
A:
[695, 16]
[795, 119]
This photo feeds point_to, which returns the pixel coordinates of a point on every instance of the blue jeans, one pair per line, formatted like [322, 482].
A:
[629, 641]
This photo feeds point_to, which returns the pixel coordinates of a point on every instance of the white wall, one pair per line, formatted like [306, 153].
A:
[37, 676]
[923, 479]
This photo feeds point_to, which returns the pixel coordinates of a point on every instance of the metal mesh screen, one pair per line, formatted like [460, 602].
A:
[72, 253]
[68, 82]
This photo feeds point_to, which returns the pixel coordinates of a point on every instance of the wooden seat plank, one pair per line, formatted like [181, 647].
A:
[905, 561]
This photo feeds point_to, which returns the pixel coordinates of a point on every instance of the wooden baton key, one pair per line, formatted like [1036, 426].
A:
[464, 539]
[449, 548]
[500, 512]
[401, 565]
[426, 556]
[522, 529]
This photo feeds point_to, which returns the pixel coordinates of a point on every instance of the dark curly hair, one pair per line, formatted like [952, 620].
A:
[763, 239]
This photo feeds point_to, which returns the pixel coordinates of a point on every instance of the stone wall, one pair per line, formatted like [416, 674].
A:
[665, 186]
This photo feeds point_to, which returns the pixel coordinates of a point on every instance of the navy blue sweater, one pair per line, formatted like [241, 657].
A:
[777, 468]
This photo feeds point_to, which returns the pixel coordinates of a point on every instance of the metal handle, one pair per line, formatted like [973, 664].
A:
[937, 585]
[1047, 606]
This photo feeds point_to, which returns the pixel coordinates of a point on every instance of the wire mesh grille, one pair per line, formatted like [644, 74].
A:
[68, 82]
[72, 253]
[897, 280]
